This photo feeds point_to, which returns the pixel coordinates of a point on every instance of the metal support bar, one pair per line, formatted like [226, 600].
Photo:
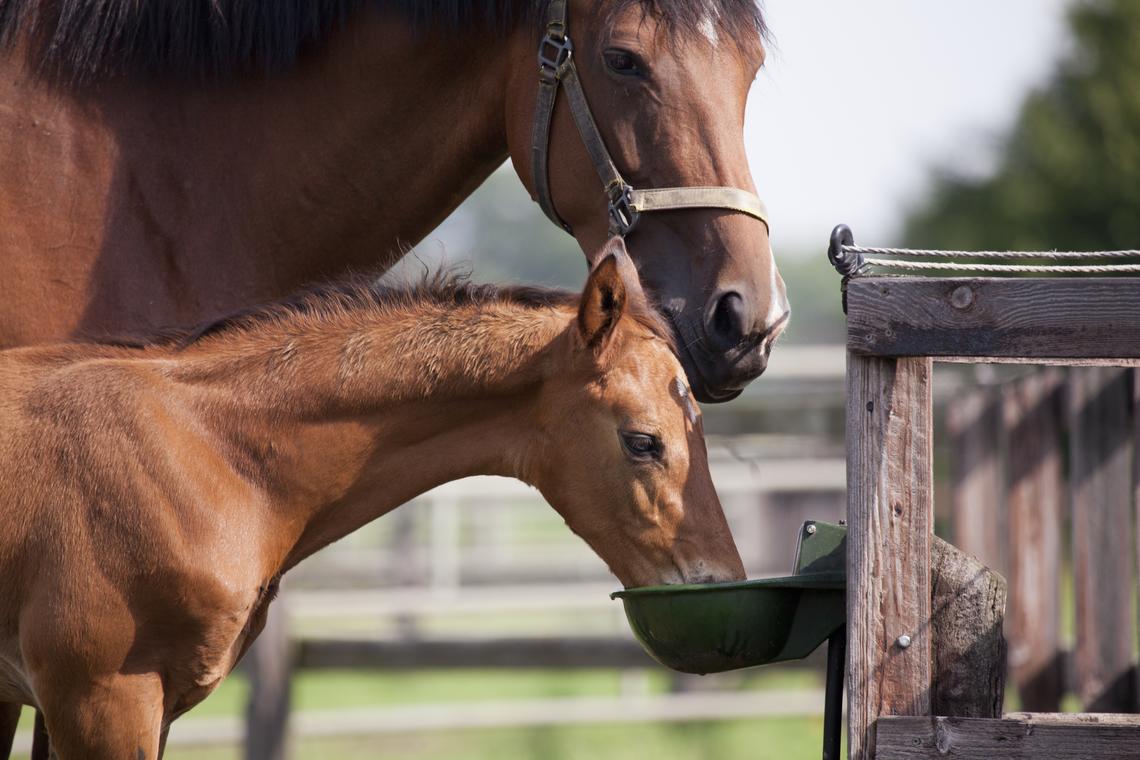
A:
[833, 697]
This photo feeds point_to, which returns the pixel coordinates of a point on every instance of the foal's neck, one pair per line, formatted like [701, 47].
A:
[349, 419]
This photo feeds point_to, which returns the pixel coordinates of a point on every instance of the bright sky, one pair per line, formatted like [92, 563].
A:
[858, 100]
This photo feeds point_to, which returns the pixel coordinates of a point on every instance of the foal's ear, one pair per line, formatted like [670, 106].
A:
[603, 301]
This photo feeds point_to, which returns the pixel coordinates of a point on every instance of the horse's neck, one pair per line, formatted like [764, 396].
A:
[159, 204]
[350, 423]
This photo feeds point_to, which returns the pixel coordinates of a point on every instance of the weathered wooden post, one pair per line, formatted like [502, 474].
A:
[890, 514]
[894, 325]
[968, 649]
[1136, 496]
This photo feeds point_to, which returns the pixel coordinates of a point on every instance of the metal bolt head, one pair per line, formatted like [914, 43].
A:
[903, 641]
[810, 528]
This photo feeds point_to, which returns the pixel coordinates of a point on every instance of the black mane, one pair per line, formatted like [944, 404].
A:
[84, 39]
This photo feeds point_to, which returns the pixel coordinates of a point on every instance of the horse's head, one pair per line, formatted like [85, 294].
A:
[623, 456]
[665, 82]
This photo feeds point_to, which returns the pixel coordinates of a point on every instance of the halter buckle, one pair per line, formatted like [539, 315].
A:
[623, 216]
[554, 51]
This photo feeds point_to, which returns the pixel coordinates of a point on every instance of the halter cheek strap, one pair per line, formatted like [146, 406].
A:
[556, 67]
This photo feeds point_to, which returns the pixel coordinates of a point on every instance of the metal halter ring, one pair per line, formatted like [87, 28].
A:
[553, 53]
[623, 215]
[556, 71]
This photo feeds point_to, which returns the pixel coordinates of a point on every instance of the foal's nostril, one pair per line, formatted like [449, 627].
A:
[730, 320]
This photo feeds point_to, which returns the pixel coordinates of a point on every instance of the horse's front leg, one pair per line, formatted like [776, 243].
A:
[162, 741]
[9, 718]
[114, 718]
[41, 742]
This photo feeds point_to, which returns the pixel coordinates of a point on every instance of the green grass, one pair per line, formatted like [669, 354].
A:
[329, 690]
[785, 739]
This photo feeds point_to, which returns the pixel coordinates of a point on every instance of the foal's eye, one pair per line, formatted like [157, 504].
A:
[642, 445]
[624, 63]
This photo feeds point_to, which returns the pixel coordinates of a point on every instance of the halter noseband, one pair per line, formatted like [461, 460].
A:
[556, 66]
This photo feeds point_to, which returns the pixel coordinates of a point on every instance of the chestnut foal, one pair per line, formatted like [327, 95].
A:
[153, 495]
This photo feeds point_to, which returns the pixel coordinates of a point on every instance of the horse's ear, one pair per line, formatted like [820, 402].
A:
[603, 301]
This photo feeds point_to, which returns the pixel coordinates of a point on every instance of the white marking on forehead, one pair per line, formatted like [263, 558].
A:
[686, 398]
[707, 27]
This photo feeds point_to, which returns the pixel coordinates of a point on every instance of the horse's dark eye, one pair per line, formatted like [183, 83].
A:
[641, 445]
[624, 63]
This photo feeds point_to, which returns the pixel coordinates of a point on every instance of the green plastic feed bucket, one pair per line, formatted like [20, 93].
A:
[713, 627]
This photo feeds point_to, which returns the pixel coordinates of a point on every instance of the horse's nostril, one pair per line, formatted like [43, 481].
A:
[729, 320]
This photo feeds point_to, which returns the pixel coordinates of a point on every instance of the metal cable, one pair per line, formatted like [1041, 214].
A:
[852, 260]
[929, 253]
[1010, 268]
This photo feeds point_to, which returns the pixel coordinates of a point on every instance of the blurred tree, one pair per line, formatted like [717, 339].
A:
[1069, 172]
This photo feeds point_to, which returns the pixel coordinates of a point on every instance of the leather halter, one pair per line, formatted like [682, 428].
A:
[555, 67]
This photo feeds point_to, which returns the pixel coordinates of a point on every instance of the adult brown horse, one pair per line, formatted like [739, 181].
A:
[153, 496]
[166, 162]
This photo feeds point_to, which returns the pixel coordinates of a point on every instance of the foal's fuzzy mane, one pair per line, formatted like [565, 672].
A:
[362, 298]
[84, 39]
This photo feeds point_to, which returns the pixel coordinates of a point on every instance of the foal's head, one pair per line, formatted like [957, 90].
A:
[623, 459]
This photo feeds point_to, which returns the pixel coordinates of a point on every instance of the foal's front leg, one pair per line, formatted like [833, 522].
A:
[116, 718]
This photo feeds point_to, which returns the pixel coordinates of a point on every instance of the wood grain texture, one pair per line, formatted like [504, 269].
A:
[1100, 464]
[974, 424]
[968, 653]
[987, 317]
[890, 516]
[1032, 409]
[1018, 736]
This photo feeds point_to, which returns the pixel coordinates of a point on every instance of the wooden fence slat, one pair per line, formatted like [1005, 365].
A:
[974, 424]
[1100, 464]
[890, 519]
[1079, 317]
[569, 652]
[1032, 409]
[1018, 736]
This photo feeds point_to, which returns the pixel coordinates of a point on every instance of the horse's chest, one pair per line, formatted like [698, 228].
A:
[14, 685]
[218, 646]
